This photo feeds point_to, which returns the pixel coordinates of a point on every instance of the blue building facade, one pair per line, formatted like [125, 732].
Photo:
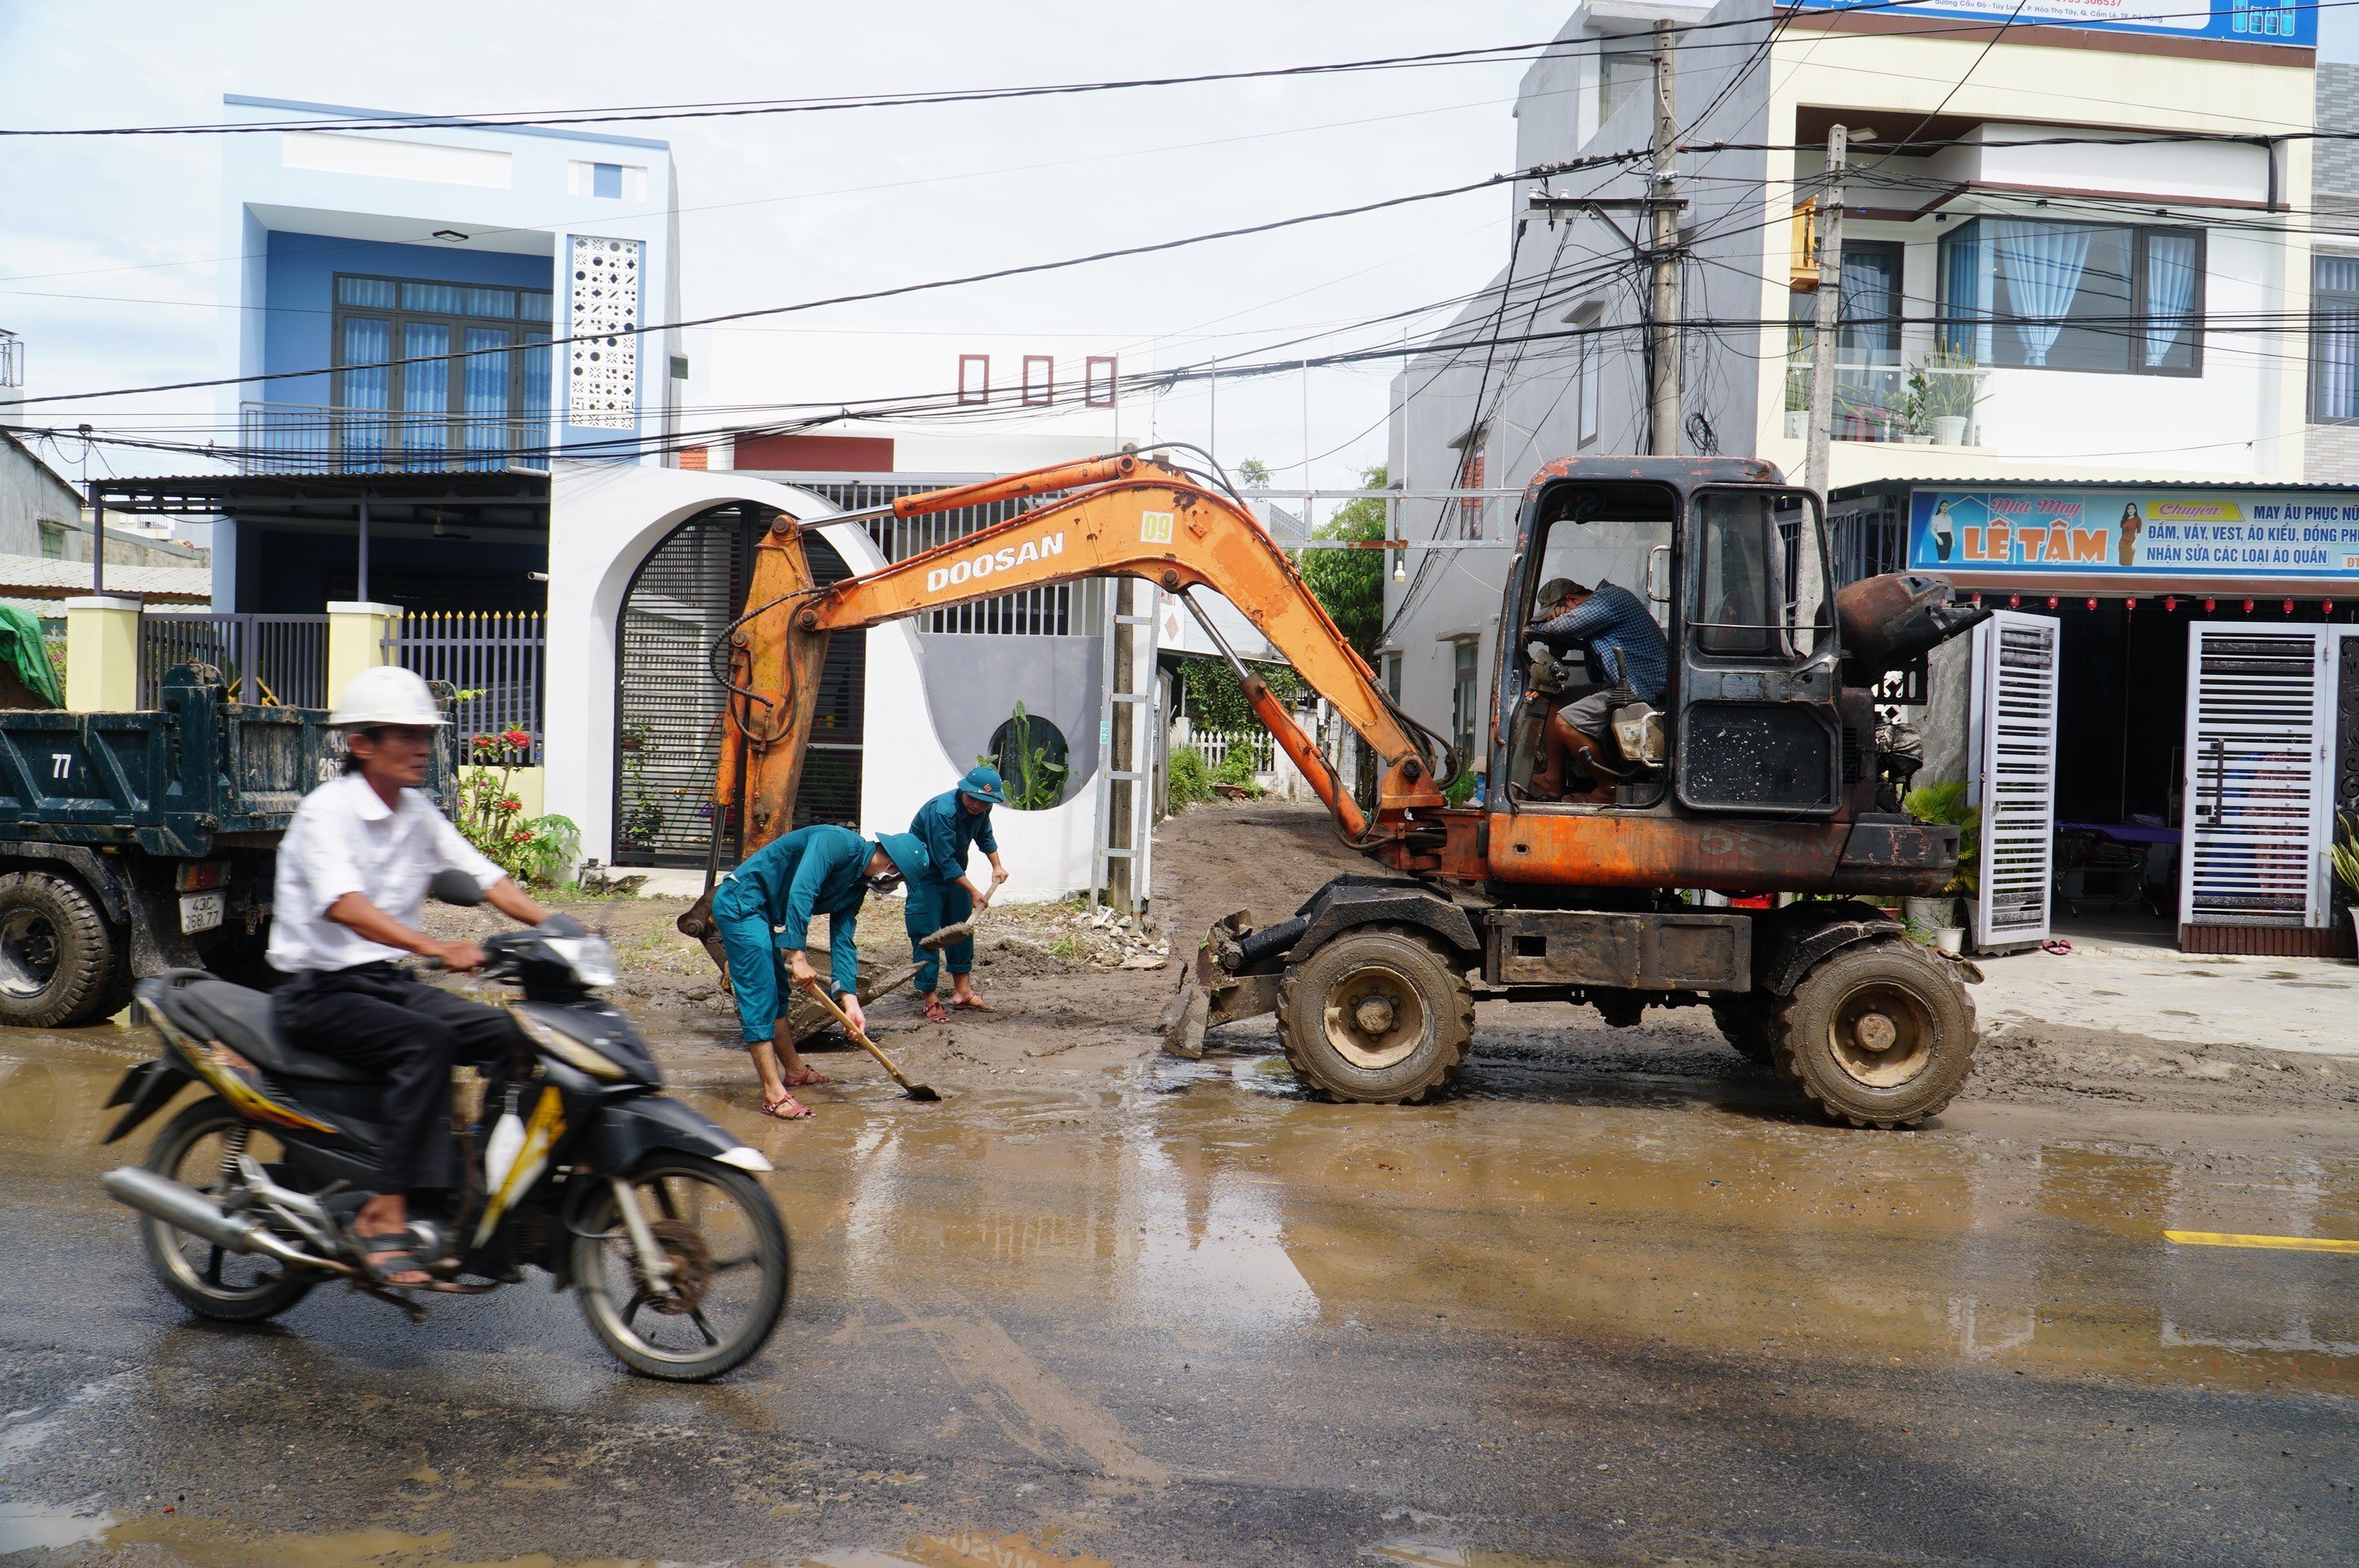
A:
[412, 303]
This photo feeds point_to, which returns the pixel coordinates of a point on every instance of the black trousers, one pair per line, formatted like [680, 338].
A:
[374, 1016]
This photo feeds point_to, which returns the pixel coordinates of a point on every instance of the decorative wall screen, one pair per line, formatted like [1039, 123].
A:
[668, 709]
[2013, 772]
[603, 383]
[2259, 719]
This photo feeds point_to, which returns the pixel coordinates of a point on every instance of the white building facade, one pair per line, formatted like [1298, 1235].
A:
[2076, 374]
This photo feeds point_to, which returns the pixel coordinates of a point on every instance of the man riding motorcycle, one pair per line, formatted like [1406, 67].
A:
[353, 875]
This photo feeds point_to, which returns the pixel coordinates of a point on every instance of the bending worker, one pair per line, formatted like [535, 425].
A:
[947, 895]
[348, 903]
[764, 911]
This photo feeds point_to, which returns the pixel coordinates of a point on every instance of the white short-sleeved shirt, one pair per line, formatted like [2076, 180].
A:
[344, 838]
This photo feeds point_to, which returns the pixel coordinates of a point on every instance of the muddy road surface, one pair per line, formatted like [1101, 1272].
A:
[1617, 1301]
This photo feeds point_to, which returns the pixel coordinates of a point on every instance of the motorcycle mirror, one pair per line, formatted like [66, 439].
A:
[455, 887]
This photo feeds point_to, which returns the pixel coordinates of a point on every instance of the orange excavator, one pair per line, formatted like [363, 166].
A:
[1762, 768]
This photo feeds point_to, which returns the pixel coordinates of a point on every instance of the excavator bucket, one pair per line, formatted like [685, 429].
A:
[774, 668]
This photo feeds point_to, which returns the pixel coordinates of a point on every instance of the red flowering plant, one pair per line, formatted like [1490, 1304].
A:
[491, 812]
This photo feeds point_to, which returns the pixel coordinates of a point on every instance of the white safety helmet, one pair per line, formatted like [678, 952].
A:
[385, 694]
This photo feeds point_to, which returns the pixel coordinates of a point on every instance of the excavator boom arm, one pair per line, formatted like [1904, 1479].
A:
[1133, 517]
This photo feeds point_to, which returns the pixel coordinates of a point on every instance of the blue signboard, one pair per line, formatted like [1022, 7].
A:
[2227, 21]
[2135, 533]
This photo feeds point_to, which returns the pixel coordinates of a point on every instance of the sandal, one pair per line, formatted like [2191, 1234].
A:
[807, 1077]
[390, 1253]
[974, 1002]
[785, 1107]
[934, 1012]
[2056, 945]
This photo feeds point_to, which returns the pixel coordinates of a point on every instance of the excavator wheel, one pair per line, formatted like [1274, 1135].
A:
[1879, 1035]
[1748, 1024]
[1380, 1015]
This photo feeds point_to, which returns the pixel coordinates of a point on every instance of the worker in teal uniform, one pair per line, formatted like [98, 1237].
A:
[946, 894]
[764, 911]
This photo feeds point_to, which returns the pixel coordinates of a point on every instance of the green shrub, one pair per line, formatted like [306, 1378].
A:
[1236, 769]
[1944, 804]
[1190, 777]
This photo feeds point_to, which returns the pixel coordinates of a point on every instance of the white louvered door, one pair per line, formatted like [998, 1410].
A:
[2259, 721]
[2013, 776]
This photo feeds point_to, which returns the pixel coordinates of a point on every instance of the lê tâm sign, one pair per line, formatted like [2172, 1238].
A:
[2135, 533]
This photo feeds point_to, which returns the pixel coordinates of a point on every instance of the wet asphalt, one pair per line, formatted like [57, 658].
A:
[1167, 1312]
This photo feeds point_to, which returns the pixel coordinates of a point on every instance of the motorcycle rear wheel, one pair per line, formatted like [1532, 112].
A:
[729, 1255]
[210, 1281]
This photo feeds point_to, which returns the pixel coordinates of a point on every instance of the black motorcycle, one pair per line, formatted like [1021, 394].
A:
[578, 1165]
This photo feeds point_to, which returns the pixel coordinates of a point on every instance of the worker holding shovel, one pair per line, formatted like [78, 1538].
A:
[764, 911]
[946, 896]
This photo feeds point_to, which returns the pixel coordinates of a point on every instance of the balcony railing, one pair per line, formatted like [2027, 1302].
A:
[1919, 404]
[293, 437]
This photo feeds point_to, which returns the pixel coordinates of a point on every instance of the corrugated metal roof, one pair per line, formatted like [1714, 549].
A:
[37, 577]
[1953, 481]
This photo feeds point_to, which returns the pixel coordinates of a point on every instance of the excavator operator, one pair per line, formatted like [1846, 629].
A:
[1631, 652]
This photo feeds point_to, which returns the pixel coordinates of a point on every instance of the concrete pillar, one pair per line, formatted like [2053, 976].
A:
[356, 634]
[102, 654]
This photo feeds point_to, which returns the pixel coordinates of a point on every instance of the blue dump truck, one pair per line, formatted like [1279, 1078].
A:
[132, 843]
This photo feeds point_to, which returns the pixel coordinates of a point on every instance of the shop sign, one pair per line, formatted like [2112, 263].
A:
[2293, 22]
[2119, 533]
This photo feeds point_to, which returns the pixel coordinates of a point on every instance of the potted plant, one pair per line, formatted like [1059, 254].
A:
[2343, 856]
[1944, 804]
[1941, 395]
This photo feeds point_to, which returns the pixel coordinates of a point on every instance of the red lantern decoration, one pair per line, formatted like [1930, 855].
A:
[1978, 601]
[2288, 607]
[2015, 601]
[2131, 602]
[2171, 604]
[2093, 601]
[2326, 607]
[2248, 607]
[2210, 605]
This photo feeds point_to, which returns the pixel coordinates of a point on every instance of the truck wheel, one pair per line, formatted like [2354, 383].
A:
[1879, 1034]
[1747, 1024]
[58, 963]
[1379, 1015]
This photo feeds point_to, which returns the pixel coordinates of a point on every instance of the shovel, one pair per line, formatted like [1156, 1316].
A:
[915, 1091]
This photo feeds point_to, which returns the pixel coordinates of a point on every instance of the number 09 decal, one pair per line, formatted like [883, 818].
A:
[1155, 527]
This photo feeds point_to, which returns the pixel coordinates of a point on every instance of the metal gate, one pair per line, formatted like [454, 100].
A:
[2259, 724]
[2012, 774]
[669, 707]
[274, 660]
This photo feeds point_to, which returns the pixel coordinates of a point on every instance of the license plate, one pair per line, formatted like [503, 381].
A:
[201, 910]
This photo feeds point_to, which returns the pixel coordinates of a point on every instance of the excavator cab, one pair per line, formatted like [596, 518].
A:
[1746, 719]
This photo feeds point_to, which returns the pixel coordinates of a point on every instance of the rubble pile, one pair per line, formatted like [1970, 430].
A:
[1097, 937]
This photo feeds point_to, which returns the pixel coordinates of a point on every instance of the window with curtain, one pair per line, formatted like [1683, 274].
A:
[1867, 314]
[2334, 340]
[476, 395]
[2048, 294]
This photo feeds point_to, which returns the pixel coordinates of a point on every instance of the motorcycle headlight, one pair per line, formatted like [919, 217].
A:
[591, 957]
[567, 1049]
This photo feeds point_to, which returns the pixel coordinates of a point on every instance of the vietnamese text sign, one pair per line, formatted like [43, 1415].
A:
[2228, 21]
[2116, 533]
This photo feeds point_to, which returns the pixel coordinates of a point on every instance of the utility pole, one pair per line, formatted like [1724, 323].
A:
[1663, 311]
[1829, 305]
[1810, 570]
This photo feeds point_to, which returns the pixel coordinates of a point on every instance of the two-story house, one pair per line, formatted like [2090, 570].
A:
[2076, 373]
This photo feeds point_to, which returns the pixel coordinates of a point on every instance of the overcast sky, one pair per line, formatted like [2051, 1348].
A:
[111, 269]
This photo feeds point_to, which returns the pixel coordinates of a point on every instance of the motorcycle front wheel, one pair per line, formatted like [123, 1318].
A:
[725, 1252]
[198, 1149]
